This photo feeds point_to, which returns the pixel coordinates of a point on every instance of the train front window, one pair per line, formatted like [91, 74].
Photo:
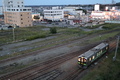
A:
[81, 59]
[78, 59]
[85, 60]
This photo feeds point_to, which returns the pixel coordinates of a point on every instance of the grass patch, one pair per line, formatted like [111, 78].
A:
[94, 26]
[104, 37]
[61, 37]
[110, 26]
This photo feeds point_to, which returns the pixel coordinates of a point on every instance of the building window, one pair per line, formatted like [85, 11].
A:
[21, 18]
[21, 14]
[18, 5]
[24, 9]
[21, 22]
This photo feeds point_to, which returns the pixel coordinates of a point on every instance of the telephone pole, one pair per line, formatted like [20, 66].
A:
[114, 58]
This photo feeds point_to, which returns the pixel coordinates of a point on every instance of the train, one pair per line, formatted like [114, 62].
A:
[87, 58]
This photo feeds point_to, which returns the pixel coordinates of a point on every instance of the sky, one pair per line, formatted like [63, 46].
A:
[64, 2]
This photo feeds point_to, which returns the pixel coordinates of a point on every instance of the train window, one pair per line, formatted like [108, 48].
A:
[98, 54]
[106, 48]
[89, 59]
[93, 57]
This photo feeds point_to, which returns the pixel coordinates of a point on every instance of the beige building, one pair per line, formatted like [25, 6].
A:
[15, 14]
[21, 19]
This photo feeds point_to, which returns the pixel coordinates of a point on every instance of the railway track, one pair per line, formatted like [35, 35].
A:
[41, 68]
[32, 71]
[49, 75]
[73, 39]
[77, 72]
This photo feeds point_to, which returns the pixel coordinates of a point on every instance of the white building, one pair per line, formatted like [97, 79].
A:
[97, 7]
[73, 10]
[1, 10]
[54, 14]
[16, 14]
[106, 15]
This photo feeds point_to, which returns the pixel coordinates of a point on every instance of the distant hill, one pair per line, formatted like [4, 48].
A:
[43, 5]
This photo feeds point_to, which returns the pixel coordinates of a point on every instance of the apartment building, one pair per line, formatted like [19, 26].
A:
[16, 14]
[54, 14]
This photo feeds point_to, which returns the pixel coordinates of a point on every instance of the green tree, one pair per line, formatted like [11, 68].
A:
[53, 30]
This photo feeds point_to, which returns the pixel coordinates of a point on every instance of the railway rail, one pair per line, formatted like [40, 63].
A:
[42, 67]
[36, 52]
[37, 70]
[76, 73]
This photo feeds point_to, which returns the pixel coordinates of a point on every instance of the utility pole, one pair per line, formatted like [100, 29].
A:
[78, 20]
[13, 33]
[114, 58]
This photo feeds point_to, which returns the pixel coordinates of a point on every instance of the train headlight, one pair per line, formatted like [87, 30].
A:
[78, 59]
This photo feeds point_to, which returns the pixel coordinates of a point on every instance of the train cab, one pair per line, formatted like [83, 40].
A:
[82, 61]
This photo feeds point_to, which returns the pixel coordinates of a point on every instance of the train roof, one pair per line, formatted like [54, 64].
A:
[94, 50]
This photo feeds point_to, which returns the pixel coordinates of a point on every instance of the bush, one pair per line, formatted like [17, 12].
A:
[36, 37]
[53, 30]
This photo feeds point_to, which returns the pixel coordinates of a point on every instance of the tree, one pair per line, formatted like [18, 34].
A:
[53, 30]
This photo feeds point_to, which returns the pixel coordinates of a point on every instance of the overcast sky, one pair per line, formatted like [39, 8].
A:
[64, 2]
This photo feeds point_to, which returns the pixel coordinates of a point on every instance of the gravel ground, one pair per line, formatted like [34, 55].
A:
[20, 46]
[48, 54]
